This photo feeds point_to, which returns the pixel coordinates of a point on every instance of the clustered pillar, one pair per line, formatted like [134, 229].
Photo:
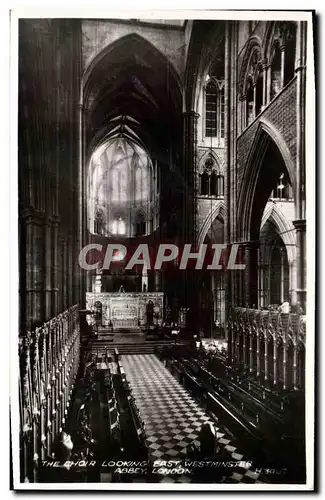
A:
[300, 222]
[189, 201]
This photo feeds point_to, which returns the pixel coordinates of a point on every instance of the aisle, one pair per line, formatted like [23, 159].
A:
[172, 417]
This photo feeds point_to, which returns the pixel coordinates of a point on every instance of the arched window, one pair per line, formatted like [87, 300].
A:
[204, 184]
[140, 184]
[115, 195]
[290, 52]
[259, 94]
[250, 103]
[119, 184]
[211, 109]
[276, 71]
[213, 184]
[220, 185]
[215, 109]
[120, 178]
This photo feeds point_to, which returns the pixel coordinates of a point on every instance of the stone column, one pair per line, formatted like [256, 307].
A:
[282, 49]
[300, 226]
[29, 253]
[55, 266]
[230, 188]
[243, 117]
[189, 208]
[189, 175]
[47, 268]
[268, 83]
[266, 95]
[82, 213]
[35, 267]
[282, 277]
[300, 207]
[254, 103]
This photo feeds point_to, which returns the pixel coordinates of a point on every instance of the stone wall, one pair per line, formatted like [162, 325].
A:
[98, 34]
[49, 87]
[281, 113]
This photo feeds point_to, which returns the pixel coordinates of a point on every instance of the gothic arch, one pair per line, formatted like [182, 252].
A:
[218, 211]
[274, 32]
[268, 40]
[284, 227]
[127, 40]
[265, 136]
[205, 156]
[253, 46]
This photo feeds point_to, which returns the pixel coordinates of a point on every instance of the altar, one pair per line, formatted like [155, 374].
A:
[127, 310]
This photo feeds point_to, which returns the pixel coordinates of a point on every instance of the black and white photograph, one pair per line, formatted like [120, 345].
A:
[165, 177]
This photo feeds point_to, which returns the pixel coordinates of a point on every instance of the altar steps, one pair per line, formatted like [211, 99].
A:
[145, 347]
[128, 330]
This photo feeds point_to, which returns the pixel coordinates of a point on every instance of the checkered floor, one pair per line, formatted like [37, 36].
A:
[172, 417]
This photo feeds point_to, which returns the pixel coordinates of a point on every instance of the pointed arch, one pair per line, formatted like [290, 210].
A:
[217, 212]
[268, 40]
[285, 229]
[131, 40]
[205, 41]
[210, 153]
[265, 136]
[253, 46]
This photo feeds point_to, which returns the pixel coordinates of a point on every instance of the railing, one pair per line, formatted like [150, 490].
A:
[49, 361]
[269, 344]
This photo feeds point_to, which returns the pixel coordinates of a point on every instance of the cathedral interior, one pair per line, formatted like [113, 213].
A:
[149, 132]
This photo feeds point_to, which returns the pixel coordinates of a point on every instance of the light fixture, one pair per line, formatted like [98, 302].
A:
[207, 78]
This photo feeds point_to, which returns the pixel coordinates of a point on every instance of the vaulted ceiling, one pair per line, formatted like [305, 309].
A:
[132, 83]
